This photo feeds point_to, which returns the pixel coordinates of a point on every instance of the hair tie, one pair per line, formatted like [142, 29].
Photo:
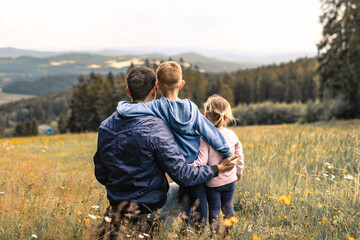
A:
[221, 115]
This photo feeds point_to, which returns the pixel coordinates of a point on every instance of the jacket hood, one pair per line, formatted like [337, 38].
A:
[182, 114]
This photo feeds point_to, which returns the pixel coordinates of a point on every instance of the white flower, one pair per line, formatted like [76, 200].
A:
[317, 179]
[349, 177]
[128, 235]
[325, 175]
[329, 166]
[146, 235]
[96, 207]
[92, 216]
[326, 163]
[332, 176]
[62, 187]
[2, 193]
[141, 236]
[34, 236]
[107, 219]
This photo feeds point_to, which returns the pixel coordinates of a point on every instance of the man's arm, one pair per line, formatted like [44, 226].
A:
[100, 170]
[211, 134]
[161, 141]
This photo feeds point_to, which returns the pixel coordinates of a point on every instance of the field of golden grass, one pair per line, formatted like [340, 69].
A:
[300, 182]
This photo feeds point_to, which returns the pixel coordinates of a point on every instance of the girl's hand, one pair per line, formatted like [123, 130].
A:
[238, 177]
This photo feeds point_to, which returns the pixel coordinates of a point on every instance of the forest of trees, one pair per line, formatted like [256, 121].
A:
[95, 97]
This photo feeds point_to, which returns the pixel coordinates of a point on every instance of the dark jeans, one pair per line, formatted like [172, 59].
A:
[188, 197]
[220, 198]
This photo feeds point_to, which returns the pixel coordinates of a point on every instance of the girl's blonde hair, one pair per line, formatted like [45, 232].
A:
[218, 110]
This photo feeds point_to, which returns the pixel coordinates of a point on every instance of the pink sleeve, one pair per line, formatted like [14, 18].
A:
[203, 156]
[239, 152]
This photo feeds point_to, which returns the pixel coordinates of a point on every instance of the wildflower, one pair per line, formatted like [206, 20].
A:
[349, 177]
[234, 219]
[351, 238]
[320, 205]
[285, 199]
[294, 236]
[79, 220]
[332, 176]
[255, 237]
[62, 187]
[98, 217]
[80, 164]
[92, 216]
[107, 219]
[86, 220]
[78, 213]
[325, 175]
[141, 236]
[227, 222]
[318, 179]
[2, 193]
[34, 236]
[96, 207]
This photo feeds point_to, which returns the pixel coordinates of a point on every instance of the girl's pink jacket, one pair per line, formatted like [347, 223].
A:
[209, 156]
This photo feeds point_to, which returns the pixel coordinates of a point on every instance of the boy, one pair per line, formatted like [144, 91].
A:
[185, 121]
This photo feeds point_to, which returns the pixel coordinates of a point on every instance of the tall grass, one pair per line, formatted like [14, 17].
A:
[300, 181]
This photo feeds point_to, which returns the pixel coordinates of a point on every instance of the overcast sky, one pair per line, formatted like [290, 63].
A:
[276, 26]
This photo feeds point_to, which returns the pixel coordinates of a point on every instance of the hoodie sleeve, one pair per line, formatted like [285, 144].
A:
[211, 134]
[126, 109]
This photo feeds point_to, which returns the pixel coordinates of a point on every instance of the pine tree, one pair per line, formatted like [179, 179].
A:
[19, 130]
[340, 51]
[34, 128]
[62, 124]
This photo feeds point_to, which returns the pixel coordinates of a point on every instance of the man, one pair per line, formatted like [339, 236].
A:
[133, 154]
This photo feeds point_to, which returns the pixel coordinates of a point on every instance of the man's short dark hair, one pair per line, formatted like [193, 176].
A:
[140, 81]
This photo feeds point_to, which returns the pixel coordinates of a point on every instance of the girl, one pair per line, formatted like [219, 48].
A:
[220, 190]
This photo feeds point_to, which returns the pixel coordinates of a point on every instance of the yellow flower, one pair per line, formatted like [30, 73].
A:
[234, 219]
[285, 199]
[80, 164]
[351, 238]
[79, 220]
[294, 236]
[227, 222]
[255, 237]
[78, 213]
[86, 220]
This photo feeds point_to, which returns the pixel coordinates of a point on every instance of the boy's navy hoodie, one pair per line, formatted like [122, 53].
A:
[185, 121]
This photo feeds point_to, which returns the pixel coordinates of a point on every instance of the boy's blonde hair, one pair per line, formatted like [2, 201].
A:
[169, 74]
[218, 110]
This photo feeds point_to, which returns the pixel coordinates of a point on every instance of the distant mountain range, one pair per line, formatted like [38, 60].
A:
[28, 65]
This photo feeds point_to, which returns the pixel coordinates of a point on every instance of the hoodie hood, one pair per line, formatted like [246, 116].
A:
[181, 114]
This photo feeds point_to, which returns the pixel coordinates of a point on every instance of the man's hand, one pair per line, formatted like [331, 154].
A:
[227, 164]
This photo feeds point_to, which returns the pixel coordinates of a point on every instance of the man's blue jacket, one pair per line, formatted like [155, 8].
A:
[132, 157]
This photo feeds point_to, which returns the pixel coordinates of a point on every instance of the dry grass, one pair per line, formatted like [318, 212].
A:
[300, 181]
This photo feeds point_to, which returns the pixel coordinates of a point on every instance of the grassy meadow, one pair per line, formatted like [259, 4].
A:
[300, 182]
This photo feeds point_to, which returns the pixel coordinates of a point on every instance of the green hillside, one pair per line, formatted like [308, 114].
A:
[29, 68]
